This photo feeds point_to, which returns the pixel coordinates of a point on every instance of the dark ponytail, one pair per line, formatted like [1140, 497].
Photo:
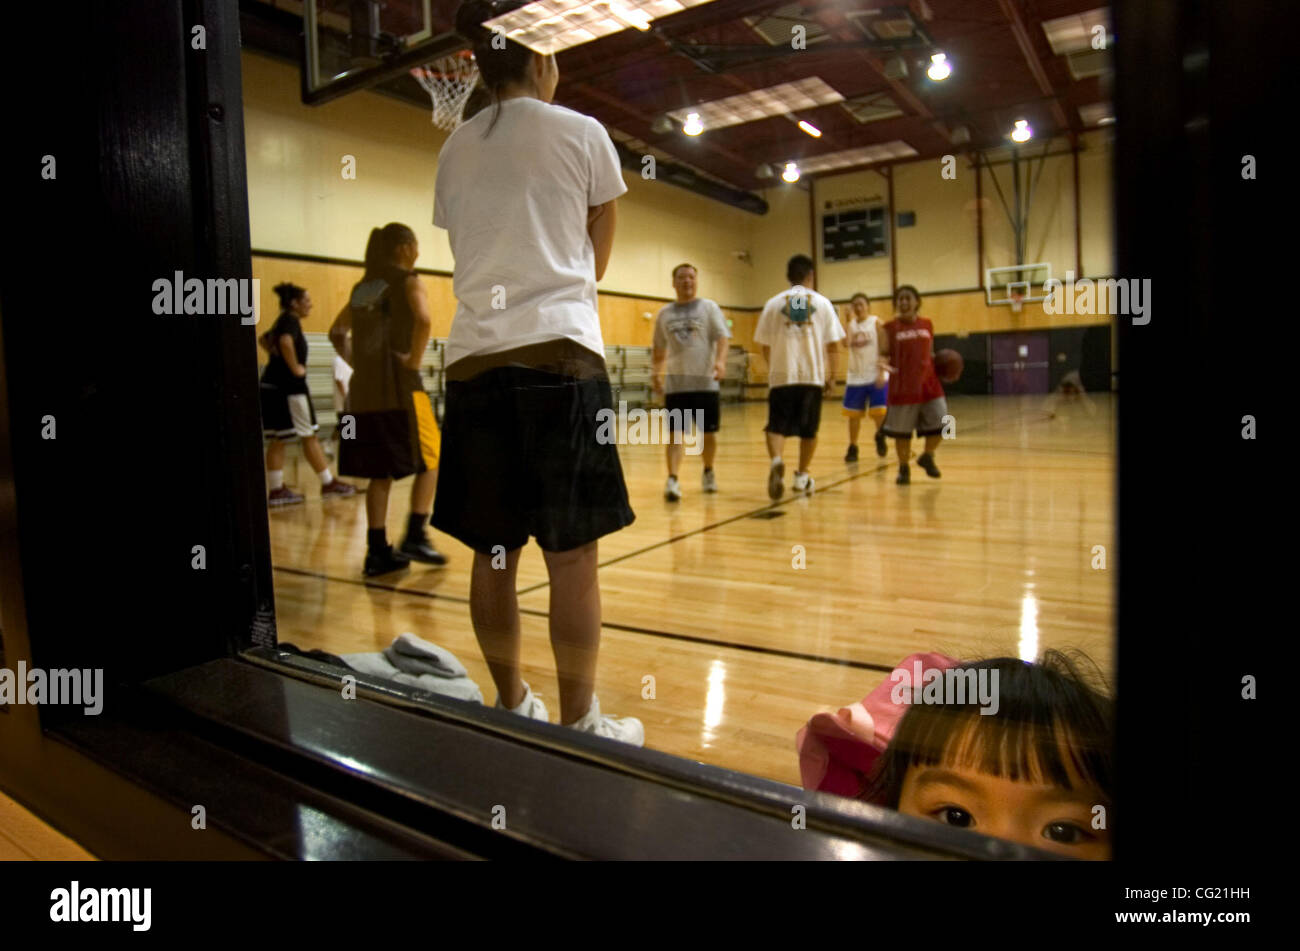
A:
[499, 65]
[288, 293]
[381, 249]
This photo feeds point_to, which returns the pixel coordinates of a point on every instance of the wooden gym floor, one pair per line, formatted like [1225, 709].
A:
[993, 559]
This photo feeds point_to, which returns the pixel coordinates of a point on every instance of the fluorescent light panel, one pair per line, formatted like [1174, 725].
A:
[762, 103]
[1074, 33]
[881, 152]
[548, 26]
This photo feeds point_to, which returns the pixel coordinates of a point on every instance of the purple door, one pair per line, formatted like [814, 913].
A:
[1019, 364]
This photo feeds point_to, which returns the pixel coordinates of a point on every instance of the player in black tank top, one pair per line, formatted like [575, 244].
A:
[287, 412]
[388, 429]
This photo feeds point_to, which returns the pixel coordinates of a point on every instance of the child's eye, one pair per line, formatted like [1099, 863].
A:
[1066, 833]
[954, 816]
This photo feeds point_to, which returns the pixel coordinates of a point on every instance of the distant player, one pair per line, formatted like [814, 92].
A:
[1070, 391]
[798, 331]
[287, 412]
[690, 344]
[865, 390]
[916, 400]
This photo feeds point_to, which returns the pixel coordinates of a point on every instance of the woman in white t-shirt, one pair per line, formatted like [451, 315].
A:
[526, 191]
[867, 386]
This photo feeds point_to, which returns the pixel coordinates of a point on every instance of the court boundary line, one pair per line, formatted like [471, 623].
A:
[625, 628]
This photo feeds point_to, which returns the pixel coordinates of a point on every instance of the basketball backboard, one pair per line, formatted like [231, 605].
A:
[353, 44]
[1025, 280]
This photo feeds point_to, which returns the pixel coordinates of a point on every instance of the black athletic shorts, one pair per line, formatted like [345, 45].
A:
[794, 411]
[688, 403]
[520, 458]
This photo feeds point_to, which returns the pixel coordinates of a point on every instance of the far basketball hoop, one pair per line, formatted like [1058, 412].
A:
[1017, 301]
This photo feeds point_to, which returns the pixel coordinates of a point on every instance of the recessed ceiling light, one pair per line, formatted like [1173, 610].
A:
[811, 129]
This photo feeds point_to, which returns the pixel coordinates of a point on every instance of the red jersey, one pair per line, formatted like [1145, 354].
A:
[910, 351]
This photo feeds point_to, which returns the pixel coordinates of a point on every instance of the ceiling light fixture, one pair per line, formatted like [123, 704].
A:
[1021, 132]
[811, 129]
[791, 173]
[939, 69]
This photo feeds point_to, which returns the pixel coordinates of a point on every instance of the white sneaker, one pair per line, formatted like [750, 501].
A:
[803, 482]
[710, 481]
[624, 729]
[673, 490]
[532, 707]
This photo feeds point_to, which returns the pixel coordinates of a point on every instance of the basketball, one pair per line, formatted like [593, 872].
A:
[948, 364]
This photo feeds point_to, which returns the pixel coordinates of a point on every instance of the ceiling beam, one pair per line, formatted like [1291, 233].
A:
[839, 27]
[740, 161]
[1026, 45]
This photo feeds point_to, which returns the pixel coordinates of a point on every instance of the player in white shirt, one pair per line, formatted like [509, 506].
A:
[690, 357]
[866, 388]
[798, 331]
[526, 191]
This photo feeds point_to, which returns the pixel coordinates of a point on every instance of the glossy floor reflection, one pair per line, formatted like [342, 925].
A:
[995, 558]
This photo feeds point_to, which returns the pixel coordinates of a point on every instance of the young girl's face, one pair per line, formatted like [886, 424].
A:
[302, 306]
[859, 308]
[906, 304]
[1046, 817]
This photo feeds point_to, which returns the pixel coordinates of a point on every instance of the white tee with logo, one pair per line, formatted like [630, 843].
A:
[798, 324]
[514, 205]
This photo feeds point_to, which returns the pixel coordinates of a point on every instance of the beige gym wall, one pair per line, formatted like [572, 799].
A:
[300, 204]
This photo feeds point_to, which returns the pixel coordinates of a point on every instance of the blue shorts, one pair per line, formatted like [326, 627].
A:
[858, 396]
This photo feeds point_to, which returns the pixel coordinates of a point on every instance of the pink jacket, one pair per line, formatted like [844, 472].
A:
[838, 750]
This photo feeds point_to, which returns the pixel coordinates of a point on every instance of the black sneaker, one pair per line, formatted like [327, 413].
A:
[852, 454]
[926, 462]
[881, 449]
[384, 561]
[904, 476]
[419, 549]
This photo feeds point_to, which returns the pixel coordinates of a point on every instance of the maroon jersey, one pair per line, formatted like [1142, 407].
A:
[910, 347]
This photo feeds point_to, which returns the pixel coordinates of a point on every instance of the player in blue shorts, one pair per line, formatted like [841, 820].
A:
[867, 385]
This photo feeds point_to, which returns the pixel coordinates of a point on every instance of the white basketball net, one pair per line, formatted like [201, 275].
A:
[449, 81]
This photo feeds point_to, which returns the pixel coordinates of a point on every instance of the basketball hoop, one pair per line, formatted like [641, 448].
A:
[1017, 300]
[448, 81]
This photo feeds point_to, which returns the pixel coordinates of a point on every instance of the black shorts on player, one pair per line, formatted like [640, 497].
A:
[703, 400]
[521, 458]
[794, 411]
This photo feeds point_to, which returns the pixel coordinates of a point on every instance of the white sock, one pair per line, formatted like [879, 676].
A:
[277, 478]
[776, 460]
[326, 477]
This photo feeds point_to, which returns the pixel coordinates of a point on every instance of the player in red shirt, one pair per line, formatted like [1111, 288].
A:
[916, 400]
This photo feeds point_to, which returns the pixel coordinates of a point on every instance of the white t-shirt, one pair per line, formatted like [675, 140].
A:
[343, 377]
[689, 334]
[798, 324]
[514, 205]
[863, 341]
